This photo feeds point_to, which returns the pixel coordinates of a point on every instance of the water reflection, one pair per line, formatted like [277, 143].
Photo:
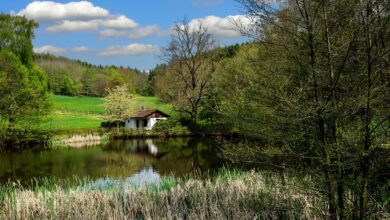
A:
[83, 144]
[145, 177]
[137, 160]
[151, 147]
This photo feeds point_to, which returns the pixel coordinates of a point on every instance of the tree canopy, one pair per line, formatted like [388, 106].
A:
[23, 85]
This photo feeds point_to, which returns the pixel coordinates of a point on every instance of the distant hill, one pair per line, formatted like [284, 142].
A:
[77, 78]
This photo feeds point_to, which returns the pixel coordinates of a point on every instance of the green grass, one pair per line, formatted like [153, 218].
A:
[80, 113]
[85, 105]
[152, 103]
[72, 121]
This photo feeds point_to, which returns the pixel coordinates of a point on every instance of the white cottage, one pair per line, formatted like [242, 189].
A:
[145, 119]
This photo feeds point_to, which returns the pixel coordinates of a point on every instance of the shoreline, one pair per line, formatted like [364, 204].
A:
[82, 138]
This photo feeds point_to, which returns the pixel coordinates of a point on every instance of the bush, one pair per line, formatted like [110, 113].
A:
[111, 124]
[170, 126]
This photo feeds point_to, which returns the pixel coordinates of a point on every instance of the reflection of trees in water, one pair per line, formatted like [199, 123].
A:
[145, 147]
[196, 155]
[172, 155]
[119, 158]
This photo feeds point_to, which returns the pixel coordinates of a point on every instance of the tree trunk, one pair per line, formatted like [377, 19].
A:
[10, 138]
[321, 126]
[194, 113]
[367, 117]
[333, 127]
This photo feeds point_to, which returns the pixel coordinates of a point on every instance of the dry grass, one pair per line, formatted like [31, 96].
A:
[78, 141]
[228, 196]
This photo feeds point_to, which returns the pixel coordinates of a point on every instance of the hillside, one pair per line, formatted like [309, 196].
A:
[76, 78]
[75, 113]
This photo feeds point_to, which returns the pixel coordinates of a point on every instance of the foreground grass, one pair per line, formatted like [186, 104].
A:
[80, 113]
[230, 195]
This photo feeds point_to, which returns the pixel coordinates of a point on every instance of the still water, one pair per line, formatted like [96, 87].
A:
[138, 161]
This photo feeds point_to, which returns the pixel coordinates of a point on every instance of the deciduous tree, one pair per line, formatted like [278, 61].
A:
[192, 63]
[118, 104]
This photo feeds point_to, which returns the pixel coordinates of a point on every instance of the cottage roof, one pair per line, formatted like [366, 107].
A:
[146, 113]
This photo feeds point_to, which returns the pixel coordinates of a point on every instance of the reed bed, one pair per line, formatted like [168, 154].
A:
[230, 195]
[79, 141]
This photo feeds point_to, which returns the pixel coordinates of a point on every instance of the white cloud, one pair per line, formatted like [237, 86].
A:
[136, 33]
[50, 49]
[144, 32]
[125, 50]
[130, 50]
[119, 22]
[75, 16]
[81, 49]
[72, 26]
[112, 33]
[49, 11]
[60, 50]
[222, 27]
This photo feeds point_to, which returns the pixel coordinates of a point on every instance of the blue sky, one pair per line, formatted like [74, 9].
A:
[122, 32]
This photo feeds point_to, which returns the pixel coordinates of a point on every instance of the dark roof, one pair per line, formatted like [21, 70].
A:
[145, 113]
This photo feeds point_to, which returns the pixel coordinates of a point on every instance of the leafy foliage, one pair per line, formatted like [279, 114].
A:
[23, 85]
[118, 104]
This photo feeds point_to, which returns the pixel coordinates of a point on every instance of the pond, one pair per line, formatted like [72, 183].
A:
[142, 162]
[136, 160]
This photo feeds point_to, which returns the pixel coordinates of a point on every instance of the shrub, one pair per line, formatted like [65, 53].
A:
[168, 126]
[111, 124]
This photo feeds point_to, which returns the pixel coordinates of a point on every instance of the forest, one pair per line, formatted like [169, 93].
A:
[76, 78]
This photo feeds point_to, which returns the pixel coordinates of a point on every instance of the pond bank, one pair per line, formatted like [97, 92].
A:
[95, 138]
[79, 138]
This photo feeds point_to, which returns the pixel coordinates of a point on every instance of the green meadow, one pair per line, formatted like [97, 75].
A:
[83, 113]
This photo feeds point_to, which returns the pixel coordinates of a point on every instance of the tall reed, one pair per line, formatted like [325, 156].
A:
[229, 195]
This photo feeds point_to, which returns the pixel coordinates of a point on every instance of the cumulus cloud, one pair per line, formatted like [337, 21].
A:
[222, 27]
[50, 49]
[130, 50]
[144, 32]
[71, 26]
[49, 10]
[136, 33]
[81, 49]
[125, 50]
[120, 22]
[75, 16]
[107, 33]
[60, 50]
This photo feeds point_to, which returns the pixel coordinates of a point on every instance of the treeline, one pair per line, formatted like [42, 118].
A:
[77, 78]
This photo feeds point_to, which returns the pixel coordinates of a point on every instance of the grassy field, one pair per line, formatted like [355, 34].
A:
[75, 113]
